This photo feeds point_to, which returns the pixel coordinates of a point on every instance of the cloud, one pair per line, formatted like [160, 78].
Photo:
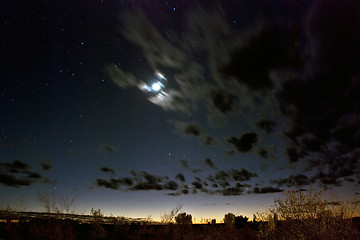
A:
[232, 191]
[10, 180]
[227, 183]
[241, 175]
[119, 77]
[297, 180]
[193, 129]
[243, 143]
[158, 50]
[16, 166]
[139, 181]
[208, 140]
[17, 173]
[293, 154]
[222, 101]
[171, 100]
[180, 177]
[327, 178]
[226, 180]
[266, 125]
[325, 124]
[263, 50]
[108, 147]
[184, 163]
[197, 185]
[208, 162]
[115, 183]
[46, 164]
[34, 175]
[147, 186]
[108, 170]
[263, 153]
[171, 185]
[269, 189]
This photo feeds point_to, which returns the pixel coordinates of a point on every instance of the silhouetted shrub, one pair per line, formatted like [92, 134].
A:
[307, 216]
[183, 218]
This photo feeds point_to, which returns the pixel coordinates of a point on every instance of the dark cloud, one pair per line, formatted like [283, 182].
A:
[107, 184]
[332, 170]
[263, 153]
[227, 183]
[325, 123]
[147, 186]
[184, 163]
[230, 152]
[266, 125]
[115, 184]
[16, 166]
[170, 185]
[241, 175]
[185, 191]
[208, 140]
[46, 164]
[223, 101]
[208, 162]
[269, 189]
[17, 173]
[108, 170]
[192, 129]
[232, 191]
[197, 185]
[34, 175]
[10, 180]
[151, 179]
[244, 143]
[108, 147]
[293, 154]
[297, 180]
[265, 49]
[195, 130]
[225, 179]
[180, 177]
[139, 181]
[327, 178]
[311, 144]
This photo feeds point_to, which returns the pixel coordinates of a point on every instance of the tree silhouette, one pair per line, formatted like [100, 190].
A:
[229, 219]
[168, 218]
[183, 218]
[240, 221]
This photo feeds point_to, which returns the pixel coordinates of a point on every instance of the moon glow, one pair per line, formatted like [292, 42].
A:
[156, 86]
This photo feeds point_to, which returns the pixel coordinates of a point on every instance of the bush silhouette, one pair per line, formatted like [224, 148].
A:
[307, 216]
[240, 221]
[183, 218]
[229, 219]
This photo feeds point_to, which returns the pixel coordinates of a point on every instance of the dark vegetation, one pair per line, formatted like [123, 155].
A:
[296, 216]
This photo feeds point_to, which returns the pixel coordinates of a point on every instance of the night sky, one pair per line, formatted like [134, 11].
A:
[135, 107]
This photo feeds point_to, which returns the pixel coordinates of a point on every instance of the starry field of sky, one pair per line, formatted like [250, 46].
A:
[134, 107]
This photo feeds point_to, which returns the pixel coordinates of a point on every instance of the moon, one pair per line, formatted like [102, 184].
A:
[156, 87]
